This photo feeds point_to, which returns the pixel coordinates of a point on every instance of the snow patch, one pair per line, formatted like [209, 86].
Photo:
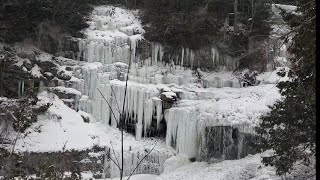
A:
[175, 162]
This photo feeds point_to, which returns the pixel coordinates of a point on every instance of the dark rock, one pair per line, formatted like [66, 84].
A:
[48, 66]
[68, 68]
[30, 56]
[61, 75]
[64, 95]
[48, 75]
[167, 103]
[85, 119]
[70, 103]
[226, 143]
[97, 176]
[29, 66]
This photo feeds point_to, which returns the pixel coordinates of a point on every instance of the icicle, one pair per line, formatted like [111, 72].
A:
[161, 52]
[187, 56]
[182, 56]
[217, 59]
[139, 111]
[182, 129]
[191, 58]
[213, 54]
[158, 104]
[156, 52]
[133, 50]
[147, 115]
[138, 131]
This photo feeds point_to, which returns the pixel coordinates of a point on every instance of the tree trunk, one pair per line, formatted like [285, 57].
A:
[1, 78]
[225, 26]
[235, 9]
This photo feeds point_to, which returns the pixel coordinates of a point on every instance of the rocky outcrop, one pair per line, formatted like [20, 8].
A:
[226, 143]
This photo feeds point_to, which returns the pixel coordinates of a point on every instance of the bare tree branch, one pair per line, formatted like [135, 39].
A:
[108, 105]
[115, 97]
[109, 157]
[115, 154]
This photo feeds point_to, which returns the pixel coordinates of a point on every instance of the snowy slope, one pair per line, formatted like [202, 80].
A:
[63, 129]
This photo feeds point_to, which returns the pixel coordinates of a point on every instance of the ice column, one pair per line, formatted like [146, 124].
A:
[182, 130]
[108, 52]
[182, 56]
[148, 110]
[158, 104]
[157, 53]
[213, 54]
[100, 108]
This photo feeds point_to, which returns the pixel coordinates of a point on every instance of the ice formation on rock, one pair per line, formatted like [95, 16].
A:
[239, 109]
[105, 98]
[182, 130]
[113, 36]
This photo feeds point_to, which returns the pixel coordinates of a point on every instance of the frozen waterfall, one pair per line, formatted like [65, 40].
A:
[112, 42]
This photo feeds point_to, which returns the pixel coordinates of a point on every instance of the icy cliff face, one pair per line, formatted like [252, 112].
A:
[114, 35]
[111, 44]
[238, 108]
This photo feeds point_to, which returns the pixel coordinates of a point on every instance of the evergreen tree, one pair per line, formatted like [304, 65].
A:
[290, 127]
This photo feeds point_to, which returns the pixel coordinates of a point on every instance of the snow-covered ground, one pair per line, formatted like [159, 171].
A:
[246, 168]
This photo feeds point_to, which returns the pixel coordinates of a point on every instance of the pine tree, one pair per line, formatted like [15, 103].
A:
[290, 127]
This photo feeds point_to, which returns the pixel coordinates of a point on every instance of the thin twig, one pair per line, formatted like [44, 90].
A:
[113, 161]
[115, 97]
[108, 105]
[114, 154]
[16, 139]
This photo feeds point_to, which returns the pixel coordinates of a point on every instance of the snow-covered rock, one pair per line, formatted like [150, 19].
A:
[175, 162]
